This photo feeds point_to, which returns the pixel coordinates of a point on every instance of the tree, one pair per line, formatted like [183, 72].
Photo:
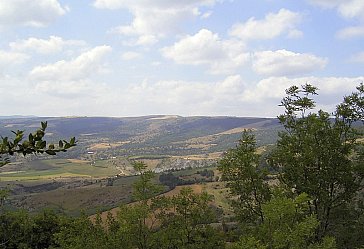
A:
[245, 179]
[35, 144]
[80, 233]
[286, 225]
[185, 222]
[317, 153]
[136, 222]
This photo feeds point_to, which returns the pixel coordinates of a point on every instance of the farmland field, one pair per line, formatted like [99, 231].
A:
[59, 168]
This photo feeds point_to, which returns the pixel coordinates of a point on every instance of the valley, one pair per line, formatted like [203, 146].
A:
[97, 174]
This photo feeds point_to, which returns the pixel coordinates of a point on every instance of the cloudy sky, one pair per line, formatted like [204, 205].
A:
[185, 57]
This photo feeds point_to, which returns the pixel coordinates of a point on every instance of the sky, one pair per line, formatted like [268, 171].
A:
[175, 57]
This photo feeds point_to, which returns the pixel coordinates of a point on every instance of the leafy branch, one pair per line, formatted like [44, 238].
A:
[35, 144]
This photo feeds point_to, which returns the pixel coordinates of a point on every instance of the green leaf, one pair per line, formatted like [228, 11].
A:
[44, 125]
[41, 144]
[50, 152]
[31, 138]
[60, 144]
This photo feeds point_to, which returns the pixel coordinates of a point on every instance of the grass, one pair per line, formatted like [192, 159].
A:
[90, 198]
[59, 168]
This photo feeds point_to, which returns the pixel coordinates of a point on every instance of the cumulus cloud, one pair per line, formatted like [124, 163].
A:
[38, 13]
[206, 48]
[273, 25]
[52, 45]
[131, 55]
[52, 98]
[154, 19]
[283, 62]
[346, 8]
[206, 15]
[11, 58]
[349, 9]
[172, 4]
[76, 69]
[182, 97]
[230, 96]
[351, 32]
[331, 89]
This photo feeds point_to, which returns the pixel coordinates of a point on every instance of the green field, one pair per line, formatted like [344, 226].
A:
[59, 168]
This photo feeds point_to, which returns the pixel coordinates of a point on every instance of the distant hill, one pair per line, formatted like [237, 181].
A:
[147, 135]
[16, 117]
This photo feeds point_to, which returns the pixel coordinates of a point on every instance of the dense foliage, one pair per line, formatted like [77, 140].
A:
[312, 199]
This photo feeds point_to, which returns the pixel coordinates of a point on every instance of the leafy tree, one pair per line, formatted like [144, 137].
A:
[33, 145]
[317, 154]
[245, 179]
[286, 225]
[144, 187]
[44, 226]
[15, 228]
[136, 222]
[80, 233]
[185, 223]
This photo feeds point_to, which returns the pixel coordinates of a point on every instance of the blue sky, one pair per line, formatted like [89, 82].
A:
[184, 57]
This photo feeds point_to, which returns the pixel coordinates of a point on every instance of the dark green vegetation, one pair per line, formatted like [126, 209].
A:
[304, 193]
[171, 180]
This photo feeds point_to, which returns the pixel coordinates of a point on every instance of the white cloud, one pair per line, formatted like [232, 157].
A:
[206, 48]
[231, 96]
[8, 59]
[331, 89]
[181, 97]
[145, 40]
[73, 79]
[283, 62]
[52, 45]
[327, 3]
[295, 33]
[154, 19]
[38, 13]
[53, 98]
[117, 4]
[156, 63]
[346, 8]
[350, 9]
[206, 15]
[273, 25]
[80, 89]
[11, 58]
[79, 68]
[350, 32]
[131, 55]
